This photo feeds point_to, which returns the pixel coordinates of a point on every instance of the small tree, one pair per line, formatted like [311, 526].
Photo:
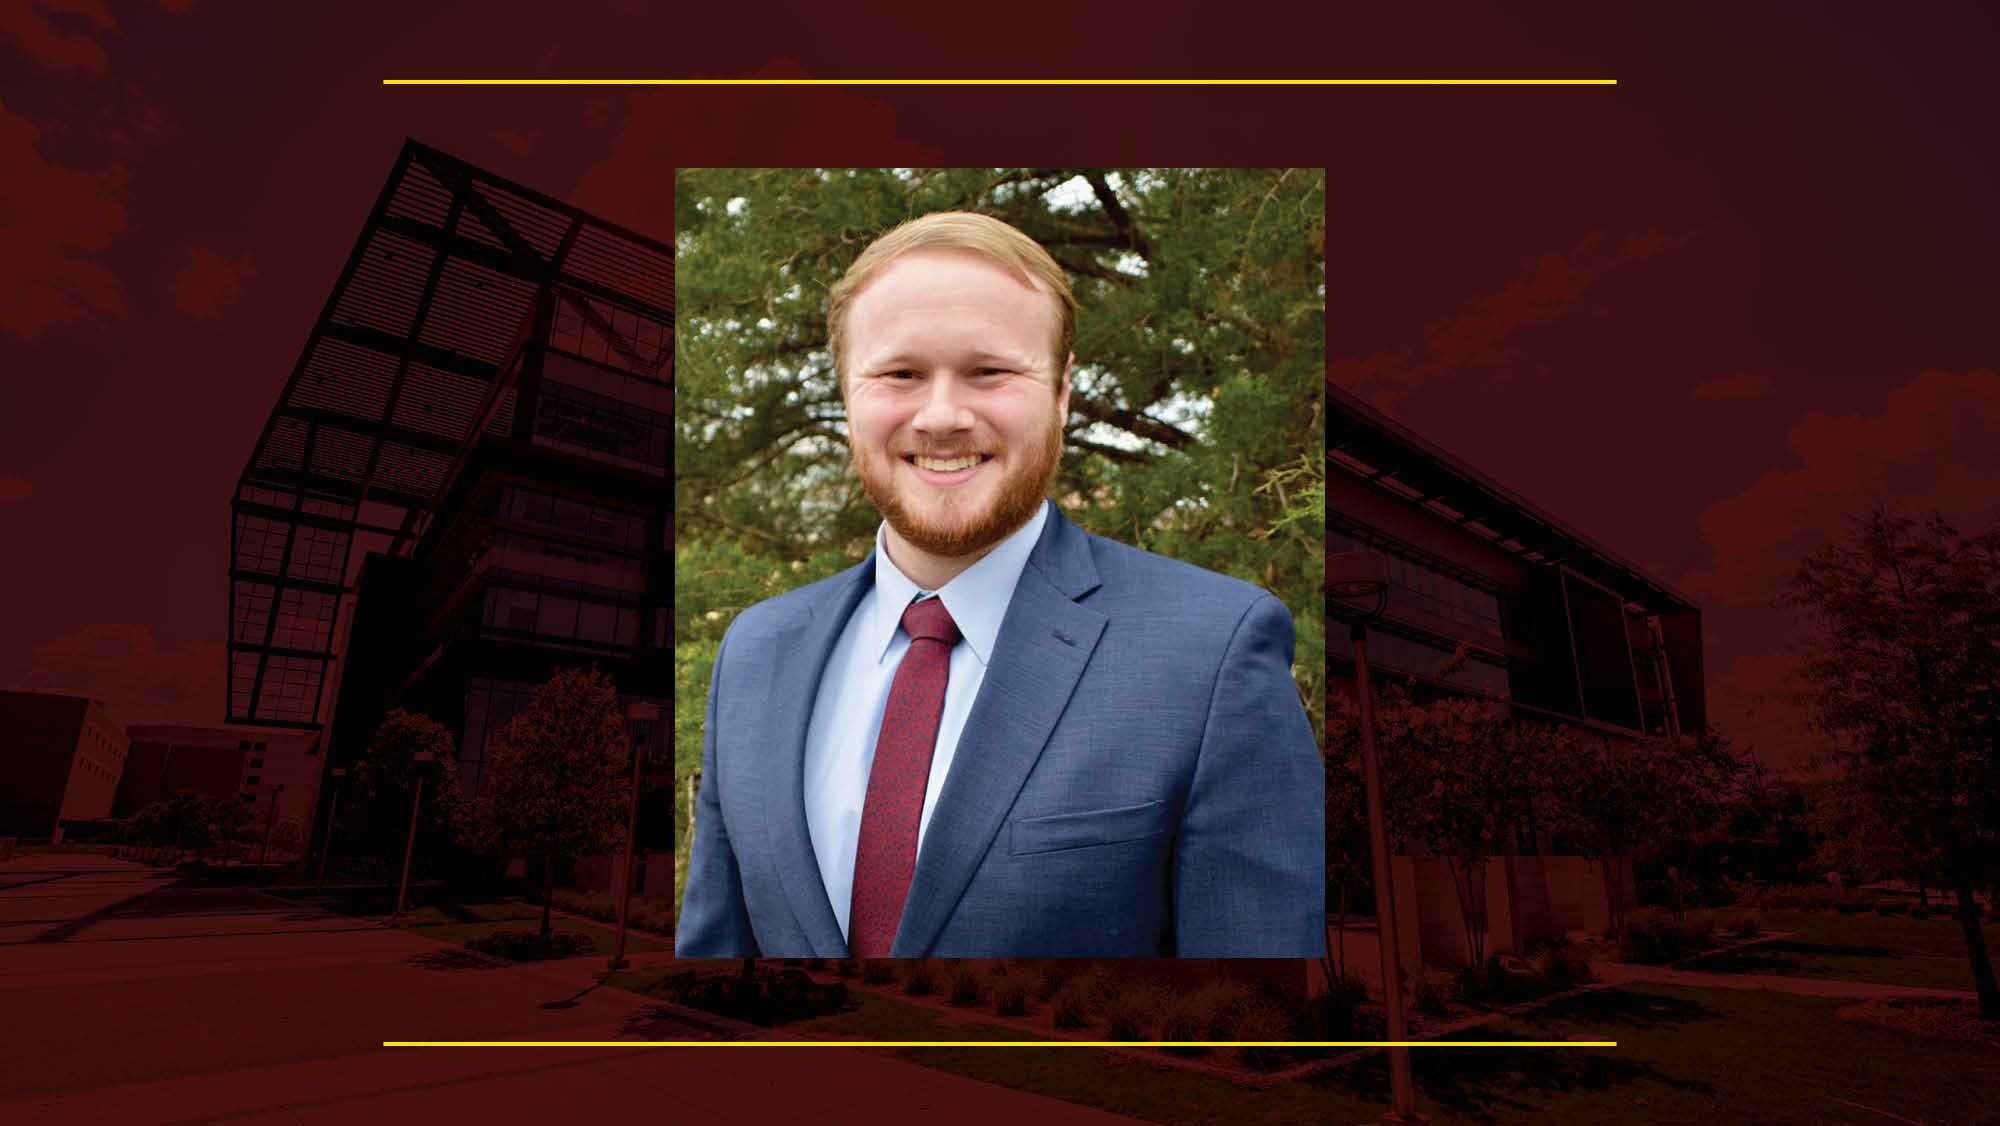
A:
[1459, 775]
[375, 808]
[184, 820]
[555, 777]
[1902, 674]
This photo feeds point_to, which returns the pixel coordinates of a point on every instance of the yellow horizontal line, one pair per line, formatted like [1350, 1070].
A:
[999, 82]
[999, 1043]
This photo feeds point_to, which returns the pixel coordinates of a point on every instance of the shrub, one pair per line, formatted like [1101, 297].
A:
[1072, 1003]
[1430, 991]
[1744, 926]
[845, 968]
[967, 986]
[530, 946]
[1341, 1013]
[878, 971]
[1126, 1016]
[920, 979]
[1259, 1019]
[1891, 908]
[1562, 966]
[1011, 990]
[1051, 976]
[1657, 940]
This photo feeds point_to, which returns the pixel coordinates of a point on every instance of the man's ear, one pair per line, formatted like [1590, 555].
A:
[1062, 397]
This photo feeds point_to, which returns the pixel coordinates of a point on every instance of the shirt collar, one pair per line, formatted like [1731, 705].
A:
[976, 599]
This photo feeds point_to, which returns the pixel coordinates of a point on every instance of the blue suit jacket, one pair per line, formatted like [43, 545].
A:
[1136, 776]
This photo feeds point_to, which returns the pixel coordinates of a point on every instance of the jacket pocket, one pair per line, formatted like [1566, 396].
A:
[1029, 835]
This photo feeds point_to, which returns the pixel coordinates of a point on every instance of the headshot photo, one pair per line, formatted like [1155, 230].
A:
[998, 549]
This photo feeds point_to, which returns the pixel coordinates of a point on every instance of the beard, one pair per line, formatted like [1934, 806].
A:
[946, 526]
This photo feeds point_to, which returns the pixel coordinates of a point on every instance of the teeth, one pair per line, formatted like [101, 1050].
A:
[942, 465]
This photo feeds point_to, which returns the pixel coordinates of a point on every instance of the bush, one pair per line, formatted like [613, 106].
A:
[1011, 990]
[1745, 926]
[1342, 1012]
[769, 997]
[845, 968]
[920, 979]
[878, 971]
[1562, 966]
[1259, 1019]
[1430, 991]
[1050, 976]
[967, 986]
[1071, 1005]
[531, 946]
[1658, 940]
[1126, 1016]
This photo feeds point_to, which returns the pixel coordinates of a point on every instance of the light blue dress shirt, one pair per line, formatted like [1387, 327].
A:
[854, 692]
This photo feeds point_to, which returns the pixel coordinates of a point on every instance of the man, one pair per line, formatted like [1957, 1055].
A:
[997, 736]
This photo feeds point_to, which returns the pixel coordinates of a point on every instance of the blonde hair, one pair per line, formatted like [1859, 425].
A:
[983, 235]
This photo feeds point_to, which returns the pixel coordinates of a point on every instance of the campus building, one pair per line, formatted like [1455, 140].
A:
[462, 485]
[1543, 620]
[273, 773]
[60, 761]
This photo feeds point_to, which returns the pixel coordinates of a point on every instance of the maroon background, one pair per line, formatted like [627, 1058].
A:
[1703, 315]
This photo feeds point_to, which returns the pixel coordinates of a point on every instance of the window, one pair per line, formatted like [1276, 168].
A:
[246, 797]
[250, 781]
[259, 746]
[255, 763]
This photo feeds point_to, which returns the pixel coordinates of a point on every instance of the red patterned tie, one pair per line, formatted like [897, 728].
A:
[887, 851]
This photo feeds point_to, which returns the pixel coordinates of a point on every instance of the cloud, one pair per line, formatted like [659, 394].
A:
[515, 142]
[1735, 389]
[123, 665]
[27, 24]
[208, 281]
[741, 127]
[1478, 337]
[54, 221]
[1931, 447]
[15, 489]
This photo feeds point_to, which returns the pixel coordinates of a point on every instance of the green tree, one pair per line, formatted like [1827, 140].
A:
[375, 807]
[1902, 675]
[556, 783]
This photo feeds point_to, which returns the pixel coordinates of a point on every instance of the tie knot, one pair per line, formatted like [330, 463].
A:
[929, 620]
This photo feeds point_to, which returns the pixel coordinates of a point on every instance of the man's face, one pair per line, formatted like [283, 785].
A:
[955, 405]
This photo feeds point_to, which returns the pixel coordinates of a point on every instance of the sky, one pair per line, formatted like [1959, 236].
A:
[1705, 315]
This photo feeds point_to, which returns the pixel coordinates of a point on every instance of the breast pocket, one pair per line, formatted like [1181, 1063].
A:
[1087, 829]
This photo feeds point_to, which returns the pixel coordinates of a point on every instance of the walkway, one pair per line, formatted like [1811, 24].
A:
[138, 996]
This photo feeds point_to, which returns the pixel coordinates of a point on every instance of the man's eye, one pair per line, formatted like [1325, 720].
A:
[993, 371]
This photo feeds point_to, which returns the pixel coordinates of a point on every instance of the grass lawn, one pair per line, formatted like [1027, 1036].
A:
[1861, 947]
[1684, 1055]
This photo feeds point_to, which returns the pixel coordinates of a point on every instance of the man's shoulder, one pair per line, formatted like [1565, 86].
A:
[1126, 570]
[775, 613]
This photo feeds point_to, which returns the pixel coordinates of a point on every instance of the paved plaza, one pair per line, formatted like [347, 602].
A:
[136, 995]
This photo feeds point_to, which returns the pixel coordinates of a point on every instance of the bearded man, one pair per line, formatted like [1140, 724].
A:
[997, 736]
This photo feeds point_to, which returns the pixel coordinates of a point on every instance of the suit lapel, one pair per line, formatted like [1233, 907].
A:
[798, 661]
[1045, 641]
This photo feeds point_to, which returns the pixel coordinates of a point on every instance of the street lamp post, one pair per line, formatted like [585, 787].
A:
[638, 713]
[1359, 580]
[270, 819]
[333, 810]
[410, 848]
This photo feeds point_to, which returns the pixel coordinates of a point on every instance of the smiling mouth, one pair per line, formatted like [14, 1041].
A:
[946, 464]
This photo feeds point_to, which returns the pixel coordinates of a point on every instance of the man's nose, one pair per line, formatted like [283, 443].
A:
[945, 407]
